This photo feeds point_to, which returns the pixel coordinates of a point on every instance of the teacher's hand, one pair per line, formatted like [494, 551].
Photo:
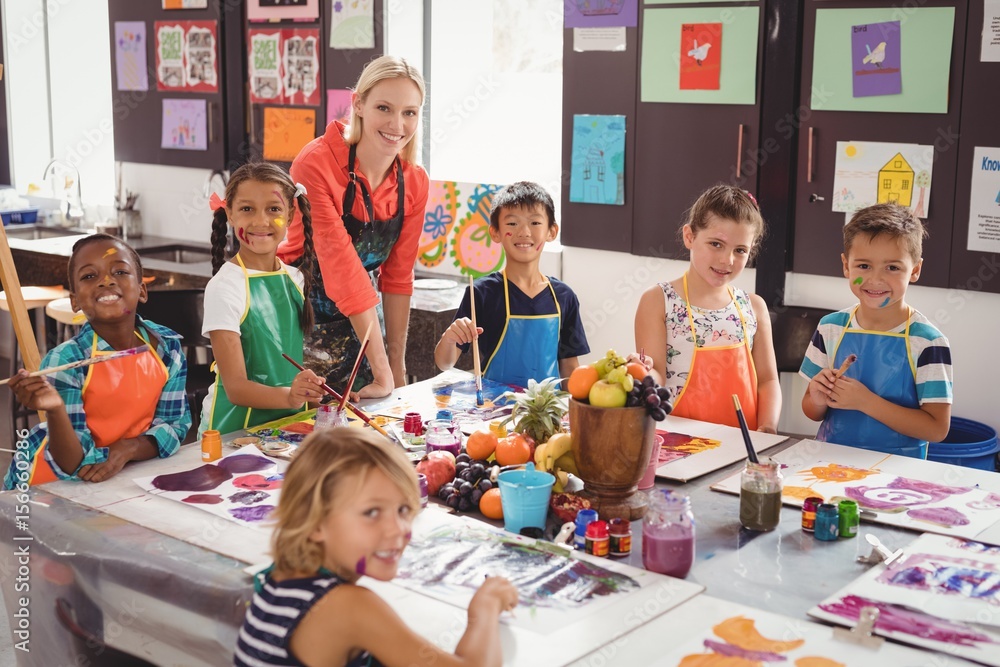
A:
[374, 390]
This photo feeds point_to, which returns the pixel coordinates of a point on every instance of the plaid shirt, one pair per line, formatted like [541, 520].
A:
[171, 420]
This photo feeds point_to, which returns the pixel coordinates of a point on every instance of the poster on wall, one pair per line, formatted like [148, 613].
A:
[286, 131]
[284, 66]
[185, 4]
[597, 172]
[185, 125]
[984, 202]
[187, 56]
[700, 56]
[876, 59]
[872, 172]
[352, 24]
[600, 13]
[991, 32]
[338, 105]
[282, 10]
[130, 55]
[455, 239]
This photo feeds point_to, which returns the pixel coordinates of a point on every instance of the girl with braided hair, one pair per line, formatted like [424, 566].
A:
[256, 307]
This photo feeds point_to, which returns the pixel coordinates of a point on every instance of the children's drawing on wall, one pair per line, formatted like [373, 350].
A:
[869, 172]
[338, 105]
[284, 66]
[455, 239]
[130, 55]
[876, 58]
[700, 56]
[286, 131]
[597, 174]
[187, 56]
[352, 24]
[600, 13]
[184, 125]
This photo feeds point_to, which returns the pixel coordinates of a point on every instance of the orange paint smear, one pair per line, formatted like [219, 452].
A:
[110, 251]
[835, 472]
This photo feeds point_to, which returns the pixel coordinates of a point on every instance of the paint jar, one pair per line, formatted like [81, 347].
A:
[847, 512]
[211, 446]
[596, 539]
[668, 534]
[413, 423]
[422, 485]
[328, 416]
[760, 496]
[809, 506]
[442, 439]
[620, 532]
[827, 522]
[445, 415]
[583, 519]
[441, 425]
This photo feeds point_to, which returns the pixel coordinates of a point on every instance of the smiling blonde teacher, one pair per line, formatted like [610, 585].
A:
[368, 198]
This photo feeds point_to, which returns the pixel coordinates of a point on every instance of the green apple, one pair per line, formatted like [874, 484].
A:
[607, 395]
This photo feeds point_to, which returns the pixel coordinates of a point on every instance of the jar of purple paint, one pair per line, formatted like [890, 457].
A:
[422, 484]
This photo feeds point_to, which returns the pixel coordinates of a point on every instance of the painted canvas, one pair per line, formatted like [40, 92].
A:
[455, 239]
[876, 59]
[242, 486]
[872, 172]
[692, 448]
[597, 172]
[130, 55]
[918, 495]
[944, 594]
[184, 125]
[700, 56]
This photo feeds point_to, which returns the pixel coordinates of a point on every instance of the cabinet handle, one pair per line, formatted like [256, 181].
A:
[809, 156]
[739, 153]
[211, 122]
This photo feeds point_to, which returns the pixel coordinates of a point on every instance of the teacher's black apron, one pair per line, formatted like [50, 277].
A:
[333, 346]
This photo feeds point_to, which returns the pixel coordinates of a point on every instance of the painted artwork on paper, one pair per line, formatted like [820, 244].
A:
[600, 13]
[130, 55]
[281, 438]
[453, 390]
[876, 59]
[869, 172]
[187, 56]
[284, 66]
[286, 131]
[455, 239]
[677, 446]
[700, 56]
[338, 105]
[242, 486]
[184, 125]
[352, 24]
[282, 10]
[691, 448]
[597, 172]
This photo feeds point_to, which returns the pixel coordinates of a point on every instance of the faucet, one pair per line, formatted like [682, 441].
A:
[74, 207]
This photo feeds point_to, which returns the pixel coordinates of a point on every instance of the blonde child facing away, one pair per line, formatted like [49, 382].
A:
[704, 339]
[347, 506]
[896, 395]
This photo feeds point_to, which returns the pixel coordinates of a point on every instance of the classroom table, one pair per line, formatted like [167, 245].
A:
[153, 595]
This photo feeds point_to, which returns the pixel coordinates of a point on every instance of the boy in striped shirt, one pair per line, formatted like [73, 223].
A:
[897, 394]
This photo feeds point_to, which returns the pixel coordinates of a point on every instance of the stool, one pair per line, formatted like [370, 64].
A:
[35, 299]
[67, 322]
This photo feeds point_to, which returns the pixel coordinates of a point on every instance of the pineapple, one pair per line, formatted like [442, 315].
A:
[538, 412]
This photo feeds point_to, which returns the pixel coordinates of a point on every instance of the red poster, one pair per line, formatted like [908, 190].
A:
[187, 56]
[701, 56]
[284, 66]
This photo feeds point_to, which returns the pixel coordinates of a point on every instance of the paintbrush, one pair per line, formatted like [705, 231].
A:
[96, 359]
[475, 345]
[357, 365]
[851, 358]
[751, 452]
[365, 418]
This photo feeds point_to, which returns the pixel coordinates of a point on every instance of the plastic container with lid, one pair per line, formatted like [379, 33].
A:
[668, 534]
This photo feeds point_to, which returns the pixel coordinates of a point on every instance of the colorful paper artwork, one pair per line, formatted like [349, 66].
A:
[281, 438]
[338, 105]
[943, 594]
[286, 131]
[284, 66]
[456, 237]
[600, 13]
[597, 172]
[453, 390]
[352, 24]
[692, 448]
[185, 4]
[700, 56]
[282, 10]
[876, 59]
[871, 172]
[243, 487]
[187, 56]
[130, 55]
[185, 125]
[984, 200]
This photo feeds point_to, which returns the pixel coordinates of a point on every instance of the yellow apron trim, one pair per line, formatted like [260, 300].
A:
[263, 274]
[904, 334]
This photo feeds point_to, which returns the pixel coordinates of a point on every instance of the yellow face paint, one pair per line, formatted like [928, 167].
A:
[280, 222]
[110, 251]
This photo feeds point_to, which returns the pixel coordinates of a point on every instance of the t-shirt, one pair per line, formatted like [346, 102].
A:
[226, 297]
[491, 314]
[928, 348]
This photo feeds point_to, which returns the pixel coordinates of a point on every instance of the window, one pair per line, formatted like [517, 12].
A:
[906, 184]
[886, 183]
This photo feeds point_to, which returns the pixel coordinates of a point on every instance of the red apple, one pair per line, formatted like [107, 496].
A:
[439, 468]
[606, 395]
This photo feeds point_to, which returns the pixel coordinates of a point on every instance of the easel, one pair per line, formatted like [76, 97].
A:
[18, 312]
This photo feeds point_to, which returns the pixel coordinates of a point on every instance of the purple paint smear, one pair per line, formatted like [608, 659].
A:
[990, 502]
[248, 497]
[735, 651]
[360, 566]
[942, 516]
[257, 482]
[202, 478]
[896, 619]
[902, 491]
[945, 575]
[203, 499]
[252, 514]
[244, 463]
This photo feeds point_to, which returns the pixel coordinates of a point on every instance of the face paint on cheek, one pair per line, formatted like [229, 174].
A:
[280, 222]
[885, 303]
[507, 234]
[359, 567]
[540, 245]
[240, 235]
[858, 281]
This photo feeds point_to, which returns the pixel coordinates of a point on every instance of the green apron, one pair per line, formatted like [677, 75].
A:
[270, 326]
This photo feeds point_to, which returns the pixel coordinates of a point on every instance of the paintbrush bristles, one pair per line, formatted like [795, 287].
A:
[751, 452]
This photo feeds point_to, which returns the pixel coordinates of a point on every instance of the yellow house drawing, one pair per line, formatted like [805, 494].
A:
[895, 181]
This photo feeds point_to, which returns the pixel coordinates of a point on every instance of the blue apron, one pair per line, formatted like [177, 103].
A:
[528, 347]
[885, 366]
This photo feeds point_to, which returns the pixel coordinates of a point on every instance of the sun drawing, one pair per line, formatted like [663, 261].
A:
[834, 472]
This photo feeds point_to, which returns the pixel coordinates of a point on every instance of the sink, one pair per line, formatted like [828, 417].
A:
[177, 252]
[36, 232]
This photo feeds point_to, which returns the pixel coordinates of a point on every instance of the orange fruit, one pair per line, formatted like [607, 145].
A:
[637, 371]
[581, 380]
[513, 450]
[490, 504]
[481, 444]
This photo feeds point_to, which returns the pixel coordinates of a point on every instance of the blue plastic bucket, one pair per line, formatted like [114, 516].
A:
[969, 443]
[524, 496]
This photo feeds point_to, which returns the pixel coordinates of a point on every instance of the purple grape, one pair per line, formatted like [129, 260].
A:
[462, 458]
[461, 467]
[454, 502]
[476, 495]
[663, 393]
[477, 469]
[464, 505]
[659, 414]
[466, 488]
[648, 381]
[485, 485]
[653, 402]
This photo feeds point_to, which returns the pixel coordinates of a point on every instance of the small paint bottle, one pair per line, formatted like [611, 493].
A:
[827, 522]
[597, 539]
[848, 518]
[422, 485]
[413, 423]
[329, 416]
[211, 446]
[583, 519]
[620, 534]
[809, 506]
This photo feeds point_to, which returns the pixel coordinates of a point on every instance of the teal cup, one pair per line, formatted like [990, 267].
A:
[524, 495]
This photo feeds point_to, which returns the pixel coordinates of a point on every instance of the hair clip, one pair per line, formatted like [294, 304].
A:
[753, 199]
[300, 190]
[215, 202]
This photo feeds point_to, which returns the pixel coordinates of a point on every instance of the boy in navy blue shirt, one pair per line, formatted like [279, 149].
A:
[528, 325]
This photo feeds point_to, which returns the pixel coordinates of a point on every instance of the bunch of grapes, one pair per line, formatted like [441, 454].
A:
[612, 368]
[472, 480]
[655, 399]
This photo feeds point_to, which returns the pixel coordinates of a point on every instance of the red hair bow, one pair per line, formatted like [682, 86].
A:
[215, 202]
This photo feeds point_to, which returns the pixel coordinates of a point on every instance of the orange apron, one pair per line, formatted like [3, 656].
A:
[119, 399]
[716, 374]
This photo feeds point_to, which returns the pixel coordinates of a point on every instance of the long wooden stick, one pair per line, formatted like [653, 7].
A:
[353, 408]
[357, 365]
[85, 362]
[476, 368]
[18, 312]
